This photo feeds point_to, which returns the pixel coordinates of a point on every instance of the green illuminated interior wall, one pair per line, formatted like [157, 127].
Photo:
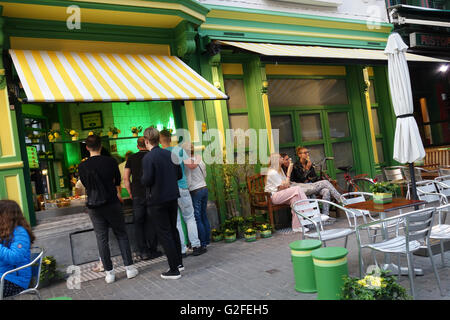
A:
[134, 114]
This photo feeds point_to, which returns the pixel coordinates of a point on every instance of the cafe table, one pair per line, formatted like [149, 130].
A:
[383, 210]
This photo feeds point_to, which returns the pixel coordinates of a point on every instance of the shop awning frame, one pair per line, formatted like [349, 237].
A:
[57, 76]
[316, 52]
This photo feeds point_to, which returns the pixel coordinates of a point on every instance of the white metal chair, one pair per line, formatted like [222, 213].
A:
[395, 174]
[418, 225]
[357, 197]
[35, 265]
[427, 191]
[444, 170]
[443, 185]
[308, 211]
[441, 231]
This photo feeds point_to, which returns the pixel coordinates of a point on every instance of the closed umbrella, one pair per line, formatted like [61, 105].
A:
[408, 146]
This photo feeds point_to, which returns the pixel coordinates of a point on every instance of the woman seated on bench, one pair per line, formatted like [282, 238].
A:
[15, 241]
[304, 175]
[278, 185]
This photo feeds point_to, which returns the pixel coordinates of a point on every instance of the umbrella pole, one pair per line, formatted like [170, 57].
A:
[413, 184]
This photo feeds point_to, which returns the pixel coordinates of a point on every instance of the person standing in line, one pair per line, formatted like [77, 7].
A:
[16, 238]
[185, 201]
[101, 177]
[196, 175]
[160, 176]
[144, 228]
[124, 191]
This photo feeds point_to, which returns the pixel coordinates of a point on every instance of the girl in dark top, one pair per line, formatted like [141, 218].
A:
[15, 241]
[304, 175]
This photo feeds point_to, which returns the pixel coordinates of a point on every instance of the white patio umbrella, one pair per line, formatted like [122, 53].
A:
[408, 146]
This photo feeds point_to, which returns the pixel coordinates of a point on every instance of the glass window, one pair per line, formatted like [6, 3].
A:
[380, 151]
[234, 88]
[310, 127]
[304, 92]
[317, 153]
[284, 125]
[376, 122]
[373, 97]
[338, 125]
[343, 154]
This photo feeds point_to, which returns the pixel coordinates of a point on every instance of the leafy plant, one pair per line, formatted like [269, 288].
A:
[264, 227]
[113, 131]
[52, 135]
[250, 232]
[216, 232]
[136, 129]
[229, 232]
[379, 285]
[49, 270]
[72, 132]
[383, 187]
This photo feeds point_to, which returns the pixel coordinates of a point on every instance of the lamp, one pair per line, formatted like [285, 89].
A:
[443, 68]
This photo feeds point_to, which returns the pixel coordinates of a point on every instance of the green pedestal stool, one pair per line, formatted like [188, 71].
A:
[330, 265]
[303, 264]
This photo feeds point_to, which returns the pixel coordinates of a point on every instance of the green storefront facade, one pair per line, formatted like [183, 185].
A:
[326, 104]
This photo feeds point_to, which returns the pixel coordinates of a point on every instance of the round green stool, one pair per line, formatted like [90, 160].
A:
[303, 264]
[330, 265]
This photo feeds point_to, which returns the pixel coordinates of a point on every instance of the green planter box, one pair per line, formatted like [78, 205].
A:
[266, 234]
[382, 198]
[217, 238]
[230, 239]
[250, 238]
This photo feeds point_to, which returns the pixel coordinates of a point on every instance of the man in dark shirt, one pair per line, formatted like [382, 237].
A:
[160, 176]
[101, 172]
[144, 228]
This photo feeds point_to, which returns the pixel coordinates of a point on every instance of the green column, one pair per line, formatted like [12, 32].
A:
[305, 280]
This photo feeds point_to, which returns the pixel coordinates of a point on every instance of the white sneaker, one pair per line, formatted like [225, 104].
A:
[110, 276]
[300, 229]
[132, 271]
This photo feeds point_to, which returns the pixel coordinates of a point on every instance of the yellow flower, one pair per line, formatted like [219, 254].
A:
[362, 282]
[118, 131]
[110, 133]
[72, 132]
[56, 134]
[50, 137]
[91, 133]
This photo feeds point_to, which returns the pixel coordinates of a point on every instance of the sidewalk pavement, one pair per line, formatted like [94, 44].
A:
[260, 270]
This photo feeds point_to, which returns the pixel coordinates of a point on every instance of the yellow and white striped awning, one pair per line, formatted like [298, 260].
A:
[284, 50]
[55, 76]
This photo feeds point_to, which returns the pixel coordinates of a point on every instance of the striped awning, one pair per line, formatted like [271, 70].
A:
[284, 50]
[54, 76]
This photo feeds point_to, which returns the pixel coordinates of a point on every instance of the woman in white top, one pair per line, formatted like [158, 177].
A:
[195, 176]
[278, 184]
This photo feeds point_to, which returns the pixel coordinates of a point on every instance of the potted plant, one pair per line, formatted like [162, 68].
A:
[53, 135]
[73, 134]
[49, 272]
[265, 231]
[229, 235]
[95, 132]
[250, 234]
[113, 132]
[34, 137]
[136, 131]
[238, 225]
[379, 285]
[382, 192]
[217, 235]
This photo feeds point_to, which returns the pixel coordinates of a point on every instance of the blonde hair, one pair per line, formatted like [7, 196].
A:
[274, 162]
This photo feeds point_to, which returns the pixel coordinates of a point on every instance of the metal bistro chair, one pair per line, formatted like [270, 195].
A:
[444, 170]
[395, 174]
[35, 265]
[308, 211]
[357, 197]
[441, 231]
[427, 191]
[443, 185]
[417, 229]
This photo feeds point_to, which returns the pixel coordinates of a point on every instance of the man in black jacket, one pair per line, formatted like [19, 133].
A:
[160, 176]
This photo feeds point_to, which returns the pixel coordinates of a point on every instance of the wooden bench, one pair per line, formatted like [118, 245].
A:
[260, 200]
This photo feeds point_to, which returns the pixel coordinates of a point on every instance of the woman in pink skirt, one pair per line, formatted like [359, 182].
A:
[278, 184]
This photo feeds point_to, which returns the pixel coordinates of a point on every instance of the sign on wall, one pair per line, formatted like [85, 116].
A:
[428, 40]
[91, 120]
[33, 159]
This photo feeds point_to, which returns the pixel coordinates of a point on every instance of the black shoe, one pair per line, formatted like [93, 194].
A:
[155, 254]
[180, 268]
[199, 250]
[171, 275]
[144, 257]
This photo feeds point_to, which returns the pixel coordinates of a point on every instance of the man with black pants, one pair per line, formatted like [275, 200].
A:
[143, 226]
[101, 177]
[160, 176]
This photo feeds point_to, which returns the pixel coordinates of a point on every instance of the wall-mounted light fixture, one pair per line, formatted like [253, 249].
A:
[443, 68]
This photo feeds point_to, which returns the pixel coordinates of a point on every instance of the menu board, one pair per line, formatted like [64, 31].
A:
[91, 120]
[33, 159]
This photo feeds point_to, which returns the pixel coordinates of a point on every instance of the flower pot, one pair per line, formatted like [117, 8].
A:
[250, 238]
[265, 234]
[74, 138]
[382, 198]
[135, 134]
[217, 238]
[115, 136]
[231, 238]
